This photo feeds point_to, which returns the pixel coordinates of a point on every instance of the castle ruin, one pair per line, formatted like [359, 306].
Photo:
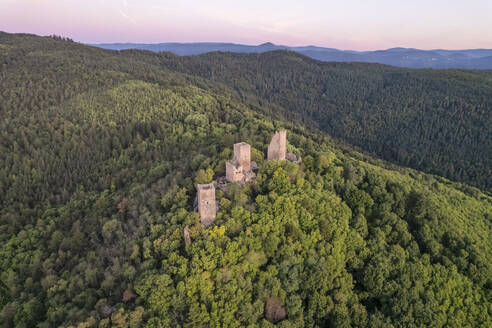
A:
[278, 146]
[239, 169]
[186, 234]
[206, 203]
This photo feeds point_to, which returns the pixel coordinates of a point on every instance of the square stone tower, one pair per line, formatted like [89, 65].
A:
[242, 155]
[239, 169]
[278, 146]
[206, 203]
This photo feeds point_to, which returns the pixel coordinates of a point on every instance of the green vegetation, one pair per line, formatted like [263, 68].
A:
[99, 155]
[438, 121]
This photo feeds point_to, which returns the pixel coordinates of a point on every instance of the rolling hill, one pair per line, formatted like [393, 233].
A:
[100, 154]
[438, 121]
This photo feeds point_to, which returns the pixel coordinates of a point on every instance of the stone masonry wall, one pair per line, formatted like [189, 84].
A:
[242, 155]
[206, 203]
[278, 146]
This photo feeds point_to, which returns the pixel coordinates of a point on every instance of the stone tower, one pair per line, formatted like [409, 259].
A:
[239, 169]
[206, 203]
[278, 146]
[242, 155]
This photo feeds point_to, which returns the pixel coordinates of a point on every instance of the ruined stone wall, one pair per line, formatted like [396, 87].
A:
[206, 203]
[278, 146]
[233, 172]
[186, 234]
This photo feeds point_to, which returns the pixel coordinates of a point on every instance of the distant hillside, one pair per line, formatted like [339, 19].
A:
[401, 57]
[438, 121]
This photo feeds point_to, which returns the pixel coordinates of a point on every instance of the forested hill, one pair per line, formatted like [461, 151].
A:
[100, 153]
[438, 121]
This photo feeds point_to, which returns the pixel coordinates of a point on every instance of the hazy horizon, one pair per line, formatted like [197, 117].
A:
[274, 43]
[238, 43]
[354, 24]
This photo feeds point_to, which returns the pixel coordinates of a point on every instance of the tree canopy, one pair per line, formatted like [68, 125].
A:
[100, 153]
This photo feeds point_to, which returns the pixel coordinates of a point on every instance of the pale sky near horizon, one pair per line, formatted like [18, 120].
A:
[343, 24]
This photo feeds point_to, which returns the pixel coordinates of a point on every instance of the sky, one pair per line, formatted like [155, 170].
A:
[342, 24]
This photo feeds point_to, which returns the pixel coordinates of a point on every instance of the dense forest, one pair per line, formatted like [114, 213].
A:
[100, 154]
[438, 121]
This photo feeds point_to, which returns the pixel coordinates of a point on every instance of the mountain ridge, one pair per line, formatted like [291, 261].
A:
[396, 56]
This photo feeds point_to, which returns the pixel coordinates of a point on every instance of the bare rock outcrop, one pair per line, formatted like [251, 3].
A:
[293, 158]
[274, 311]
